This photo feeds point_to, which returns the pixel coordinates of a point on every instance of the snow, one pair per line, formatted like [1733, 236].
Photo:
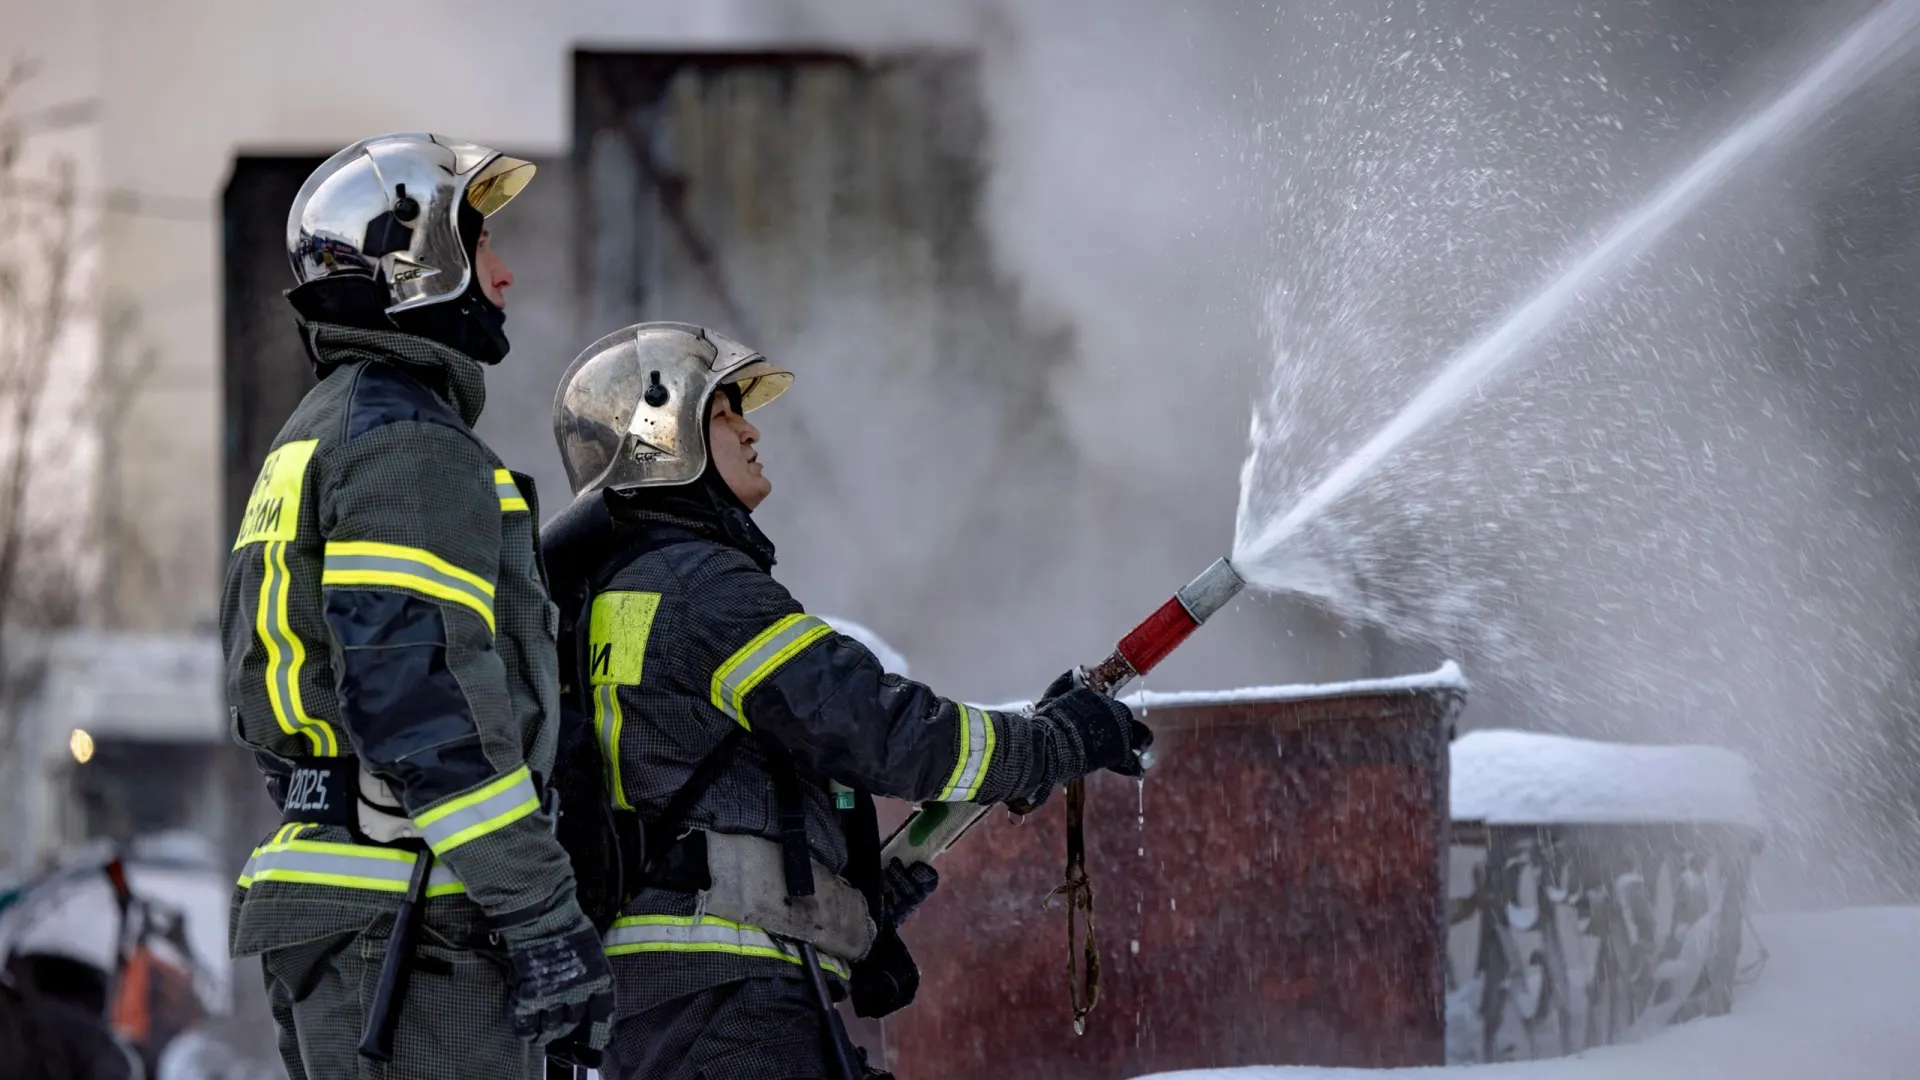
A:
[1527, 778]
[890, 659]
[1835, 1002]
[1445, 677]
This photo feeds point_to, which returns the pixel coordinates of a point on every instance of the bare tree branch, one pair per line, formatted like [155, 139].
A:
[50, 558]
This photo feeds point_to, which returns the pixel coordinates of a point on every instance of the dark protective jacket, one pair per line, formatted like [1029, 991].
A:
[385, 599]
[693, 648]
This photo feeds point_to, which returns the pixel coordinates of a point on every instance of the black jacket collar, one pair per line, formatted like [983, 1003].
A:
[706, 507]
[448, 372]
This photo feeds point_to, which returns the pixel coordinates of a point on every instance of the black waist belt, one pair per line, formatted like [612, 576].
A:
[321, 791]
[326, 791]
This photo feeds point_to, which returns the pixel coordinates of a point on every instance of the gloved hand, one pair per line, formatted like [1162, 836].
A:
[903, 888]
[1109, 736]
[1066, 681]
[562, 987]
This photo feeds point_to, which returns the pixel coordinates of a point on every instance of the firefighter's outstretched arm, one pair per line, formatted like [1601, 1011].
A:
[823, 696]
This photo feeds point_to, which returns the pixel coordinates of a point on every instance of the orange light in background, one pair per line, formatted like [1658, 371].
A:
[81, 744]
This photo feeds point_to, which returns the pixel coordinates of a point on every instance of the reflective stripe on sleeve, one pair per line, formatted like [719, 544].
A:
[760, 658]
[344, 866]
[488, 808]
[364, 563]
[606, 724]
[976, 753]
[508, 491]
[286, 654]
[705, 934]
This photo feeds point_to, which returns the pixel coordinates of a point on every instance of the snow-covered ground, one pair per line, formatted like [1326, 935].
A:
[1839, 999]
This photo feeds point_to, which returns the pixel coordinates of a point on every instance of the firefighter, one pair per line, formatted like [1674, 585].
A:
[742, 739]
[390, 652]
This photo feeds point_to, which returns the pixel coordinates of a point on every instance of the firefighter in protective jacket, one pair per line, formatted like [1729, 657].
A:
[390, 652]
[742, 739]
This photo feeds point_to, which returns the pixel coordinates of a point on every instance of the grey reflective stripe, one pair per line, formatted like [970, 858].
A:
[506, 489]
[606, 723]
[285, 654]
[501, 803]
[976, 753]
[761, 657]
[327, 864]
[709, 934]
[432, 578]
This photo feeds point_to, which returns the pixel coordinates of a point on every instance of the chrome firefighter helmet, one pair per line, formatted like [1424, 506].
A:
[388, 208]
[631, 411]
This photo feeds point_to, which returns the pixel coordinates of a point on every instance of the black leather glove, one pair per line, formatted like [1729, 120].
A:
[903, 888]
[886, 979]
[1066, 681]
[1109, 736]
[562, 987]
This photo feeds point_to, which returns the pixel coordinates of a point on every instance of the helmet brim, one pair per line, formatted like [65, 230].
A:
[496, 185]
[759, 383]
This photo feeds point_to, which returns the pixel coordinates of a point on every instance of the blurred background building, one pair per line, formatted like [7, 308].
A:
[810, 181]
[1018, 254]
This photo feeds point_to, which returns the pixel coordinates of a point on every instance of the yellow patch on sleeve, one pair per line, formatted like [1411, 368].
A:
[617, 636]
[273, 509]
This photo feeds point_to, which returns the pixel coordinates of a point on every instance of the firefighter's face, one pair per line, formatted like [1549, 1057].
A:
[492, 271]
[732, 440]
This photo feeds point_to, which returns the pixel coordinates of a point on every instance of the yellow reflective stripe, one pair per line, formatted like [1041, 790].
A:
[977, 739]
[286, 653]
[606, 724]
[508, 491]
[704, 934]
[345, 866]
[494, 806]
[960, 760]
[760, 658]
[986, 756]
[365, 562]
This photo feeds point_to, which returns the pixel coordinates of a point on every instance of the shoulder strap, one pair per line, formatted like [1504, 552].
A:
[660, 831]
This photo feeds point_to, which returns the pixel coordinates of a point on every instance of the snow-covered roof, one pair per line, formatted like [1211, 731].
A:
[1529, 778]
[889, 657]
[1445, 677]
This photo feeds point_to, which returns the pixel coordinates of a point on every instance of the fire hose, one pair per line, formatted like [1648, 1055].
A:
[935, 827]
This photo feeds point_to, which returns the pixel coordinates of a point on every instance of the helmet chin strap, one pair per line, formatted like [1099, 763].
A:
[469, 323]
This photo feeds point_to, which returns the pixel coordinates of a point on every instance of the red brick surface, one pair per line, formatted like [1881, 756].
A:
[1280, 902]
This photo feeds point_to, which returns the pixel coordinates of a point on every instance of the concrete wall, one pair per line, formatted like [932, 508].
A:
[187, 85]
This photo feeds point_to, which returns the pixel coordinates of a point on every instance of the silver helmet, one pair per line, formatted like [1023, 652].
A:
[388, 208]
[631, 411]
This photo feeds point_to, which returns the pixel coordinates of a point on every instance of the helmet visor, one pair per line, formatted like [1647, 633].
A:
[759, 383]
[496, 185]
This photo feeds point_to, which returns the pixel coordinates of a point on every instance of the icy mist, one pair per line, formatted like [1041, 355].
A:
[1629, 531]
[1690, 518]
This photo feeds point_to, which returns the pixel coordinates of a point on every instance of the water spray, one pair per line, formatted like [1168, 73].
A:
[1884, 35]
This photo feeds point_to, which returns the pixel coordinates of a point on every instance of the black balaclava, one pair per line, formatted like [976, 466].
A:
[469, 323]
